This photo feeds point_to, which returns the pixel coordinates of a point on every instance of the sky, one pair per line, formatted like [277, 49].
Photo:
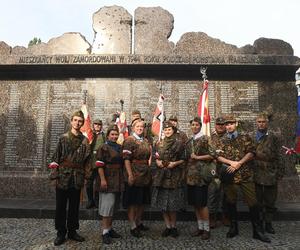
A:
[235, 22]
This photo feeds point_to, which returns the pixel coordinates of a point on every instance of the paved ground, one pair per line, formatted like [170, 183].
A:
[38, 234]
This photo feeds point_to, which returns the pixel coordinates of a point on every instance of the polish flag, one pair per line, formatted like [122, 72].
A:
[86, 128]
[203, 111]
[123, 129]
[158, 118]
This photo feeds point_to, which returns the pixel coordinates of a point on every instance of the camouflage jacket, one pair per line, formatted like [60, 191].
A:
[98, 141]
[112, 164]
[216, 140]
[268, 167]
[235, 149]
[182, 136]
[147, 132]
[72, 156]
[138, 153]
[171, 152]
[196, 169]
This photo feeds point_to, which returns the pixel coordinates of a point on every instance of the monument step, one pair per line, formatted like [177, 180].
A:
[21, 208]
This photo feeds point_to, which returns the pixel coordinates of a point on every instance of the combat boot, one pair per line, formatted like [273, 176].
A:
[269, 228]
[233, 229]
[258, 231]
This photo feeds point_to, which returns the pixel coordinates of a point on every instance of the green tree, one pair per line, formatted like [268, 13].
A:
[34, 41]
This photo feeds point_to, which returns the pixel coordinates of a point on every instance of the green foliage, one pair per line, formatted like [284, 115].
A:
[34, 41]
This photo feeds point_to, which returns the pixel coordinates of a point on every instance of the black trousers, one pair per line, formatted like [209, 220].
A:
[67, 220]
[266, 197]
[90, 188]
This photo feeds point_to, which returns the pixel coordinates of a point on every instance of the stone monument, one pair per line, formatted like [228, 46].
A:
[42, 85]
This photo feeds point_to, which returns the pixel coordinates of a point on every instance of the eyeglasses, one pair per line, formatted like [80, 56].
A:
[99, 124]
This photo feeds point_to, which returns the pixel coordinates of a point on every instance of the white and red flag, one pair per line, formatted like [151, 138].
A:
[86, 128]
[158, 118]
[203, 111]
[123, 129]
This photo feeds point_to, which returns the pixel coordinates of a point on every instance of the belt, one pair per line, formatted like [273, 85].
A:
[140, 161]
[69, 164]
[116, 165]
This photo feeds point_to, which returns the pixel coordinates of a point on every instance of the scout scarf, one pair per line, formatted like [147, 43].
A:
[198, 135]
[115, 146]
[260, 134]
[139, 138]
[232, 135]
[168, 142]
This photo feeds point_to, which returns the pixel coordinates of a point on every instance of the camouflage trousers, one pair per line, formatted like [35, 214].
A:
[247, 189]
[266, 198]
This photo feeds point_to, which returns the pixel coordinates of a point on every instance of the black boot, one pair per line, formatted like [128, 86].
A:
[269, 228]
[233, 230]
[61, 238]
[73, 235]
[258, 232]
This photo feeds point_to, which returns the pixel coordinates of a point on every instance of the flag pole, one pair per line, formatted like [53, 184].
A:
[84, 96]
[122, 104]
[84, 100]
[162, 114]
[203, 72]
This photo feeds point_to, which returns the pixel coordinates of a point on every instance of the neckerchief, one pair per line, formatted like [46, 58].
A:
[198, 135]
[115, 146]
[169, 141]
[139, 138]
[260, 134]
[232, 135]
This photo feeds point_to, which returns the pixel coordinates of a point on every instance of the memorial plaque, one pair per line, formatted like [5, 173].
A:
[41, 86]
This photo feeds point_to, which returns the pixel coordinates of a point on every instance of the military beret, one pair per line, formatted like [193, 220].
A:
[220, 121]
[97, 121]
[173, 118]
[196, 119]
[78, 113]
[168, 124]
[229, 118]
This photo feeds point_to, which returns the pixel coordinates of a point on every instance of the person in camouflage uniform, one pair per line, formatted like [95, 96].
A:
[268, 169]
[168, 192]
[109, 166]
[68, 169]
[137, 154]
[200, 155]
[237, 152]
[215, 190]
[147, 134]
[98, 140]
[180, 134]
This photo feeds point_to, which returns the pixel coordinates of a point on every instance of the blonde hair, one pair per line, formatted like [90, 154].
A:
[136, 121]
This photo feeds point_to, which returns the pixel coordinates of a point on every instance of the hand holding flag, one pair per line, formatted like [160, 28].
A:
[289, 151]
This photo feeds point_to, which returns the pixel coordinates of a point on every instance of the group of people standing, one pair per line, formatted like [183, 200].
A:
[165, 174]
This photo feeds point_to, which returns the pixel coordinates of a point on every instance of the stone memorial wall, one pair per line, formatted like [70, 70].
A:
[42, 85]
